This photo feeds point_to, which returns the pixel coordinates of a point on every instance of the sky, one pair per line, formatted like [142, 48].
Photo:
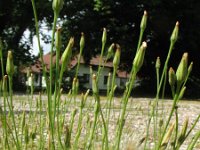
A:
[35, 47]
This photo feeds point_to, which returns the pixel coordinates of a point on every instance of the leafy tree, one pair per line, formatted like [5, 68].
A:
[122, 20]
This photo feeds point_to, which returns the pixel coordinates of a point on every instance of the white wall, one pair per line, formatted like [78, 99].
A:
[86, 70]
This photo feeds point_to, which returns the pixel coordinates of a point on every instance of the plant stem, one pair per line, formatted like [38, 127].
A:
[123, 111]
[158, 90]
[168, 120]
[12, 113]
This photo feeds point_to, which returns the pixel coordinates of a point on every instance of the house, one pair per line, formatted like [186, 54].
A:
[36, 70]
[83, 73]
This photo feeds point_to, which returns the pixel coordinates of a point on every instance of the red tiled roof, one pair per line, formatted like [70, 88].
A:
[37, 67]
[93, 62]
[123, 74]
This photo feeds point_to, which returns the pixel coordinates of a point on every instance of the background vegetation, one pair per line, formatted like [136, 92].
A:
[120, 17]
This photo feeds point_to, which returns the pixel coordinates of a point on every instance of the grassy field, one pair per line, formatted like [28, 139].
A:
[35, 118]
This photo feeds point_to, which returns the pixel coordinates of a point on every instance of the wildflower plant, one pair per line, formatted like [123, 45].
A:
[53, 129]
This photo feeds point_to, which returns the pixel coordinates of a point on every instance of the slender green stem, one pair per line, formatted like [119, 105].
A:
[41, 127]
[123, 111]
[12, 113]
[96, 111]
[176, 130]
[100, 62]
[52, 112]
[168, 120]
[79, 127]
[193, 125]
[111, 94]
[140, 39]
[58, 117]
[194, 140]
[158, 90]
[164, 84]
[78, 65]
[164, 69]
[5, 120]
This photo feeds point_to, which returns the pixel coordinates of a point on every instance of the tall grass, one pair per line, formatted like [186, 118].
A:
[47, 124]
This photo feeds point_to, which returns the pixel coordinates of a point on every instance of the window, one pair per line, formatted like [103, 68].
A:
[105, 80]
[86, 77]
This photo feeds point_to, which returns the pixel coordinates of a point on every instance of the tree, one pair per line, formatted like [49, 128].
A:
[122, 20]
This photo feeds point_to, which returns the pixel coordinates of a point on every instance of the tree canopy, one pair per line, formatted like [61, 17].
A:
[122, 20]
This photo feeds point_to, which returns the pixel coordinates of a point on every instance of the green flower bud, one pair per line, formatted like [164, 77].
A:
[174, 35]
[57, 5]
[143, 23]
[67, 53]
[58, 39]
[110, 51]
[139, 57]
[86, 95]
[157, 63]
[10, 65]
[104, 36]
[172, 77]
[182, 93]
[116, 59]
[77, 86]
[181, 72]
[94, 84]
[23, 121]
[74, 86]
[28, 73]
[181, 137]
[4, 86]
[82, 41]
[190, 67]
[26, 134]
[167, 137]
[91, 71]
[109, 80]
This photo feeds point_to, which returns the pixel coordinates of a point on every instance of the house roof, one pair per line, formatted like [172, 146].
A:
[37, 67]
[122, 74]
[94, 61]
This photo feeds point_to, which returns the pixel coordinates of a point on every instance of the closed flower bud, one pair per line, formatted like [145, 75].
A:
[4, 86]
[157, 63]
[86, 95]
[104, 36]
[82, 41]
[23, 120]
[167, 137]
[181, 72]
[181, 137]
[58, 39]
[174, 35]
[172, 77]
[67, 53]
[182, 93]
[57, 5]
[26, 134]
[139, 57]
[91, 72]
[94, 84]
[77, 86]
[143, 23]
[110, 51]
[116, 59]
[190, 67]
[74, 83]
[10, 65]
